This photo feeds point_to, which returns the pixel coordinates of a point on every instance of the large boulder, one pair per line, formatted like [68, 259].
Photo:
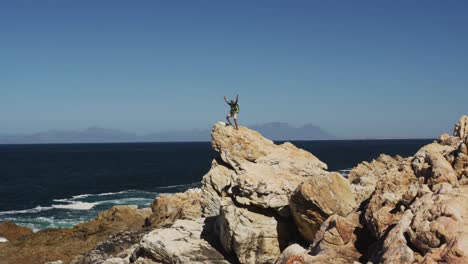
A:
[167, 208]
[461, 128]
[254, 171]
[384, 207]
[337, 239]
[253, 237]
[439, 228]
[319, 197]
[433, 163]
[186, 241]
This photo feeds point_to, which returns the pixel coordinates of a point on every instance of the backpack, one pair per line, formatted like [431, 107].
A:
[236, 108]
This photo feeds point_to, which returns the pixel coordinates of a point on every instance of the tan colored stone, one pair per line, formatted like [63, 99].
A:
[318, 198]
[12, 232]
[253, 171]
[253, 237]
[65, 243]
[167, 208]
[390, 192]
[183, 242]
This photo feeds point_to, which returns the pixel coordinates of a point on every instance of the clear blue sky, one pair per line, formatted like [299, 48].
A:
[355, 68]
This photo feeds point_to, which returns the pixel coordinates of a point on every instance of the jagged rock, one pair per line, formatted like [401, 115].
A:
[439, 229]
[167, 208]
[335, 241]
[110, 247]
[364, 176]
[294, 254]
[318, 198]
[184, 242]
[253, 237]
[214, 186]
[65, 243]
[383, 209]
[12, 232]
[395, 247]
[253, 171]
[461, 128]
[433, 162]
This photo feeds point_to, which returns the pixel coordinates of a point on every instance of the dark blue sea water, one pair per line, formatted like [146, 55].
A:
[59, 185]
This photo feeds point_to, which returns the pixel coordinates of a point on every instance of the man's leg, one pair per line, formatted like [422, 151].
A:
[229, 120]
[235, 122]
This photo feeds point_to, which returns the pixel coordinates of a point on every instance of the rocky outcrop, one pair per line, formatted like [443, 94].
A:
[65, 243]
[253, 237]
[259, 197]
[187, 241]
[12, 232]
[383, 209]
[254, 171]
[318, 198]
[167, 208]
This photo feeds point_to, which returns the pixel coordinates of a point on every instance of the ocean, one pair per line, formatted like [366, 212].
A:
[60, 185]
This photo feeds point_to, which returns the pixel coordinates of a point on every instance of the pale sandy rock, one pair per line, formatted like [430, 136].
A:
[318, 198]
[391, 192]
[294, 254]
[253, 237]
[336, 240]
[115, 261]
[439, 229]
[214, 186]
[184, 242]
[460, 164]
[395, 248]
[461, 128]
[364, 176]
[169, 207]
[254, 171]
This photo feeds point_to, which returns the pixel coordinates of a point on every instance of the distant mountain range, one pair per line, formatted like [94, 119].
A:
[274, 130]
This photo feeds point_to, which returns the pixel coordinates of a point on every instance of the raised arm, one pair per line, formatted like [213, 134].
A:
[237, 98]
[226, 100]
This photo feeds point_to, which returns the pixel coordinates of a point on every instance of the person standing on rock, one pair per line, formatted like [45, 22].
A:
[233, 111]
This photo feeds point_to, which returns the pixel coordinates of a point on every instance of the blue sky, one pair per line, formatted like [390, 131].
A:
[355, 68]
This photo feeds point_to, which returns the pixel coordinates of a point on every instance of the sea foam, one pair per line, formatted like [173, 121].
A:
[36, 209]
[75, 206]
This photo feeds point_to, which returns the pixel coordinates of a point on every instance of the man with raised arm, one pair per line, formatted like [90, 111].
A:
[233, 111]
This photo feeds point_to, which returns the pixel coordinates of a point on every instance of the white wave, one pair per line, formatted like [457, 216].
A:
[36, 209]
[113, 193]
[345, 172]
[194, 190]
[2, 240]
[79, 196]
[75, 206]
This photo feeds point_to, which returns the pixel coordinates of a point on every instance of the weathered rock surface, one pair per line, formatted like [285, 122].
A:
[432, 228]
[253, 171]
[383, 209]
[12, 232]
[187, 241]
[295, 254]
[335, 242]
[318, 198]
[65, 243]
[461, 128]
[167, 208]
[253, 237]
[112, 246]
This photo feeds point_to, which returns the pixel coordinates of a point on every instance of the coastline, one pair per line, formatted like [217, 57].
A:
[255, 187]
